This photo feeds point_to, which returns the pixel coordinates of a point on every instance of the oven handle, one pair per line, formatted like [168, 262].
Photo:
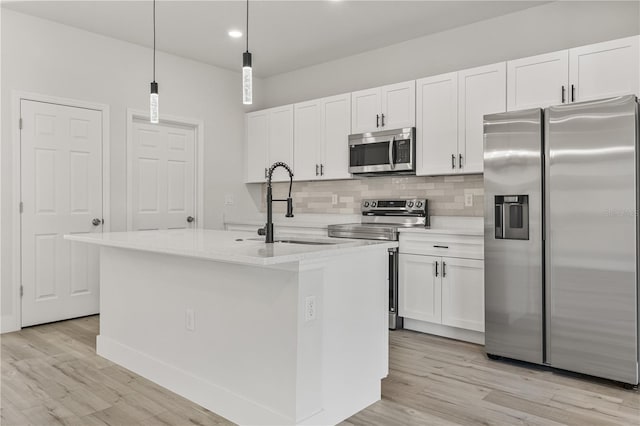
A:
[391, 142]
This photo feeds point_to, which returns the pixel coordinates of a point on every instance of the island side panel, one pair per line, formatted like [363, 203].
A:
[239, 360]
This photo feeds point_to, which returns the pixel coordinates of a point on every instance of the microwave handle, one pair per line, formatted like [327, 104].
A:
[391, 143]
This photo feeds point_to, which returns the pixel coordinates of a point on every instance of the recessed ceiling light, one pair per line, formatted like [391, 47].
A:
[235, 34]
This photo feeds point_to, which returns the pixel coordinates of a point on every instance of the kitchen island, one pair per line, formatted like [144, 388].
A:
[284, 333]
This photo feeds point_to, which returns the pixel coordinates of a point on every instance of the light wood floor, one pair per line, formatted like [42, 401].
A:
[51, 375]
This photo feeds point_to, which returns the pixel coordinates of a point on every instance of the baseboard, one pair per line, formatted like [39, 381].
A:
[219, 400]
[444, 331]
[9, 323]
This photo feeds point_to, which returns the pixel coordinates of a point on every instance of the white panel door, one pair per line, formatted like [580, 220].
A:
[257, 146]
[538, 81]
[162, 181]
[307, 140]
[605, 70]
[336, 127]
[420, 287]
[437, 124]
[480, 91]
[61, 190]
[366, 107]
[398, 105]
[463, 293]
[281, 140]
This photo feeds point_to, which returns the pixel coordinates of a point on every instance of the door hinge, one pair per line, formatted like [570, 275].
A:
[20, 123]
[21, 290]
[21, 207]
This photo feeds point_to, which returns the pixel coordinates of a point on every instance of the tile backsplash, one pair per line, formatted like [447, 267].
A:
[445, 194]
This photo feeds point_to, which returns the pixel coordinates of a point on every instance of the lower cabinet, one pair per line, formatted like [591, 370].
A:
[442, 290]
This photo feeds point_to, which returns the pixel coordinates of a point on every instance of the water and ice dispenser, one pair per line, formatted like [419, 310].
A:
[512, 217]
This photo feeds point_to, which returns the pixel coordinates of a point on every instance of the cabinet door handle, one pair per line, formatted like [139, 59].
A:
[573, 93]
[316, 170]
[377, 120]
[444, 247]
[563, 93]
[265, 172]
[453, 161]
[382, 120]
[460, 161]
[436, 269]
[444, 269]
[321, 169]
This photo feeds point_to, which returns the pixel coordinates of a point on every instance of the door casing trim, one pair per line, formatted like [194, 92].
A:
[13, 322]
[198, 126]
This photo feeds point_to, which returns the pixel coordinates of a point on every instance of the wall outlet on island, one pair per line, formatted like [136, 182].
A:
[228, 200]
[190, 320]
[310, 308]
[468, 200]
[334, 199]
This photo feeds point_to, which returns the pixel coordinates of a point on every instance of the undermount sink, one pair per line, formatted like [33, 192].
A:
[294, 241]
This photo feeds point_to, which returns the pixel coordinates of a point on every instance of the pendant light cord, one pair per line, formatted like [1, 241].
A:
[154, 40]
[247, 37]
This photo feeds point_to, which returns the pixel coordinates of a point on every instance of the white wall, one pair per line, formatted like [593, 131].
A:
[44, 57]
[541, 29]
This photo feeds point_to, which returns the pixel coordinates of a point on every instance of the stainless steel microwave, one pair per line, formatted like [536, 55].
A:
[387, 151]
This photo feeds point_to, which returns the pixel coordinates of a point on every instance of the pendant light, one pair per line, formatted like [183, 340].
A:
[247, 77]
[153, 99]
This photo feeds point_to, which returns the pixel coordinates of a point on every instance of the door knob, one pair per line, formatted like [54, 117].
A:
[190, 219]
[96, 221]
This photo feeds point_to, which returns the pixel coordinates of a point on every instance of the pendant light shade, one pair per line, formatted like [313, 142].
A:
[154, 116]
[247, 71]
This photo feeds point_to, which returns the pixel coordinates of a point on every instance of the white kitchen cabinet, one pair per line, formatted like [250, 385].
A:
[419, 288]
[269, 139]
[538, 81]
[437, 124]
[481, 91]
[321, 149]
[604, 70]
[386, 107]
[463, 293]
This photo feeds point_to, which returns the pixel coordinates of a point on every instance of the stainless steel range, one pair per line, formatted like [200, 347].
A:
[381, 220]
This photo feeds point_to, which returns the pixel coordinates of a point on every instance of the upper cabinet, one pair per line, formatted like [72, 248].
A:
[604, 70]
[451, 109]
[269, 139]
[322, 128]
[538, 81]
[481, 91]
[585, 73]
[387, 107]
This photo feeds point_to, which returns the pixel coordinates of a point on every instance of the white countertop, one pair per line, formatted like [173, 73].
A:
[226, 246]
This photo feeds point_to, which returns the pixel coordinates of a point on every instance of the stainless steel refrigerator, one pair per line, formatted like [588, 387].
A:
[561, 237]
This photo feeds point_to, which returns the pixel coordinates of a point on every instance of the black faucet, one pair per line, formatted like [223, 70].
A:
[268, 228]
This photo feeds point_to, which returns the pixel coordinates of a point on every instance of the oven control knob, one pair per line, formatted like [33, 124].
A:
[410, 204]
[366, 204]
[419, 204]
[373, 204]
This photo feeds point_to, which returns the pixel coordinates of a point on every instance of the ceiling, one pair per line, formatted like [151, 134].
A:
[283, 35]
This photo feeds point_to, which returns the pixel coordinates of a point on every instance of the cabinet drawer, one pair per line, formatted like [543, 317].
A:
[434, 244]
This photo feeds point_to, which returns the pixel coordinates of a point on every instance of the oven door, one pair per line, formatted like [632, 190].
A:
[382, 152]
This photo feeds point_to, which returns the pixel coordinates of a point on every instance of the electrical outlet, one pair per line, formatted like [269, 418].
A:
[190, 320]
[334, 199]
[468, 200]
[310, 308]
[228, 200]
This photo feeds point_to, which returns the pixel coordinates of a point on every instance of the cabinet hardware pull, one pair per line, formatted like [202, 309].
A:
[460, 161]
[453, 161]
[563, 93]
[444, 270]
[436, 269]
[573, 93]
[377, 120]
[382, 120]
[265, 172]
[321, 169]
[316, 170]
[445, 247]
